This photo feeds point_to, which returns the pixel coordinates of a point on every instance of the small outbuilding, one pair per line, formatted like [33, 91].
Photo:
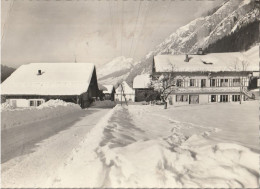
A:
[35, 83]
[125, 93]
[109, 92]
[142, 87]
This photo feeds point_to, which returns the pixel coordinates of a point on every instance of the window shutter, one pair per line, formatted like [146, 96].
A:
[209, 98]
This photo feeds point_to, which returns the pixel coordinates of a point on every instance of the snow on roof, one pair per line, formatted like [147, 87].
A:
[142, 81]
[109, 89]
[214, 62]
[126, 87]
[56, 79]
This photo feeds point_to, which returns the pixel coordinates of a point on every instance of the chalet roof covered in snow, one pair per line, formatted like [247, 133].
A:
[109, 89]
[55, 79]
[142, 81]
[126, 88]
[214, 62]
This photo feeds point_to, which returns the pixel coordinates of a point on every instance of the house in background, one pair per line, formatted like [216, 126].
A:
[109, 92]
[101, 95]
[125, 93]
[142, 87]
[35, 83]
[210, 78]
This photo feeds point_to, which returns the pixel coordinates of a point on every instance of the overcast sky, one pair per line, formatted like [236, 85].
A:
[92, 31]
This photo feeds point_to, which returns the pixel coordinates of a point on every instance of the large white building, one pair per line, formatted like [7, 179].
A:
[210, 78]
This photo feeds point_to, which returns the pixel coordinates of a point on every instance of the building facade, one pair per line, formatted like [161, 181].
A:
[142, 87]
[109, 92]
[125, 93]
[212, 78]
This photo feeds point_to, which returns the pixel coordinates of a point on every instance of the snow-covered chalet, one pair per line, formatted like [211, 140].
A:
[35, 83]
[109, 92]
[209, 78]
[125, 93]
[142, 87]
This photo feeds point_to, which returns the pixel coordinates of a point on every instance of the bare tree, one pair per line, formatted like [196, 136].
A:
[165, 85]
[240, 66]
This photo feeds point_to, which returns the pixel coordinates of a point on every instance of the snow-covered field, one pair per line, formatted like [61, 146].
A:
[190, 146]
[14, 117]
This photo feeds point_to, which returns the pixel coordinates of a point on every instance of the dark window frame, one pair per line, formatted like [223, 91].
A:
[192, 82]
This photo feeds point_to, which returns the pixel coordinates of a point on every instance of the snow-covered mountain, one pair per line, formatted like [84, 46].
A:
[115, 71]
[203, 31]
[199, 33]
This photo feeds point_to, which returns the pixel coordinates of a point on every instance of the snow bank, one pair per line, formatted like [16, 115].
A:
[83, 168]
[155, 163]
[52, 108]
[6, 106]
[103, 104]
[135, 146]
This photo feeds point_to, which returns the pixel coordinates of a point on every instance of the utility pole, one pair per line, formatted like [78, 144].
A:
[75, 58]
[121, 93]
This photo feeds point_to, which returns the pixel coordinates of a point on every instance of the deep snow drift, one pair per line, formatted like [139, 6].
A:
[146, 146]
[13, 117]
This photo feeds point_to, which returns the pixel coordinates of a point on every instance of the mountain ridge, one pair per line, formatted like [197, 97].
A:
[229, 18]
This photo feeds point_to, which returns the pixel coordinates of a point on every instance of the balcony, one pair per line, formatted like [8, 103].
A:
[206, 90]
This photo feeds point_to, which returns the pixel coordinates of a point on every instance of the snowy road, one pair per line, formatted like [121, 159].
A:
[39, 149]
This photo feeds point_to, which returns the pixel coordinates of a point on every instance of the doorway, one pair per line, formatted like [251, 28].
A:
[213, 98]
[194, 99]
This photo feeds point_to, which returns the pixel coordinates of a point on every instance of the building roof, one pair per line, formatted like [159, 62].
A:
[126, 87]
[101, 87]
[142, 81]
[214, 62]
[109, 89]
[56, 79]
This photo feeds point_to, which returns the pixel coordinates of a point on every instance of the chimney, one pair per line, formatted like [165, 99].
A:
[187, 58]
[39, 72]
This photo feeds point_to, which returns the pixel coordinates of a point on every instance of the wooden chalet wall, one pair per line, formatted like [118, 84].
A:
[92, 93]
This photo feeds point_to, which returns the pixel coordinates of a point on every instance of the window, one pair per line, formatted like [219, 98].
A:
[32, 103]
[203, 83]
[213, 82]
[39, 102]
[179, 83]
[236, 82]
[192, 82]
[224, 83]
[181, 98]
[235, 98]
[213, 98]
[223, 98]
[194, 99]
